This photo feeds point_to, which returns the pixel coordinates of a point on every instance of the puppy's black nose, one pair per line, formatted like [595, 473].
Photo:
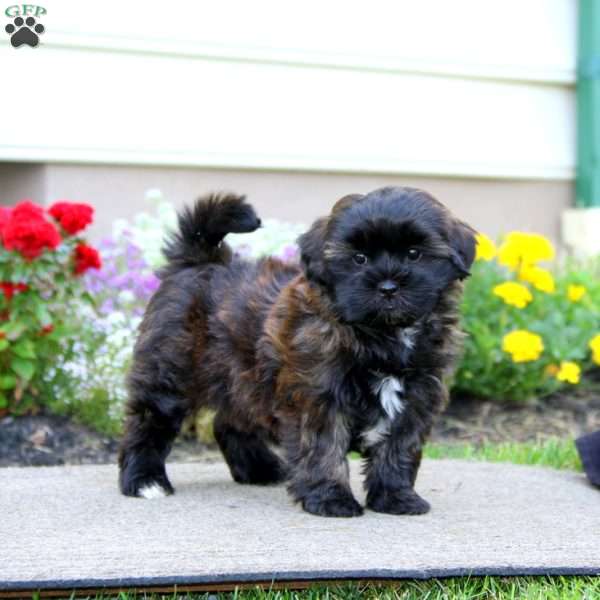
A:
[387, 288]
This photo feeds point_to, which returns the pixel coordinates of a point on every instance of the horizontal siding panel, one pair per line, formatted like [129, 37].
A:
[511, 39]
[392, 87]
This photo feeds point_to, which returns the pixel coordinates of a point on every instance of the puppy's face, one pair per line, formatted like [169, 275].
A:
[386, 257]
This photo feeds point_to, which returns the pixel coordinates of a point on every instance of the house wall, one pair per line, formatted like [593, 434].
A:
[298, 103]
[491, 206]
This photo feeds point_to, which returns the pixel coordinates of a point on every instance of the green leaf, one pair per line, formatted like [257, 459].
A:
[7, 382]
[3, 344]
[24, 349]
[42, 314]
[3, 400]
[13, 329]
[22, 367]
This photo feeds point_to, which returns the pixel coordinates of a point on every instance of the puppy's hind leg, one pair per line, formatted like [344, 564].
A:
[248, 456]
[158, 402]
[149, 434]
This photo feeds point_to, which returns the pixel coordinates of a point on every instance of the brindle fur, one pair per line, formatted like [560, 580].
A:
[285, 356]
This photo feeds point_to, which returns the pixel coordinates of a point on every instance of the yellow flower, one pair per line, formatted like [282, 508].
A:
[540, 278]
[569, 372]
[513, 293]
[595, 347]
[486, 249]
[520, 249]
[576, 292]
[523, 345]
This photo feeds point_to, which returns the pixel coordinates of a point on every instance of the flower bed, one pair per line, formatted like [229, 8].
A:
[68, 327]
[531, 330]
[42, 260]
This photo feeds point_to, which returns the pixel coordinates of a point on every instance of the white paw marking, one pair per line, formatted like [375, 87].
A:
[151, 491]
[390, 390]
[277, 450]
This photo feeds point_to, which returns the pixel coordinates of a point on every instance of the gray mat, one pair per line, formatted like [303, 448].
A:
[67, 527]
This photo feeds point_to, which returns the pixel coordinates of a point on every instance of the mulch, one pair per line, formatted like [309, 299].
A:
[51, 440]
[46, 440]
[562, 415]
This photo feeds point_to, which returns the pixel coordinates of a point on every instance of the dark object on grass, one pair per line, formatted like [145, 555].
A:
[347, 351]
[589, 451]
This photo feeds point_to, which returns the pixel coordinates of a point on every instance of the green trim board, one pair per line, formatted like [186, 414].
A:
[588, 105]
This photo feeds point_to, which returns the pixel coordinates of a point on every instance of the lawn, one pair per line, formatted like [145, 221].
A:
[483, 588]
[553, 452]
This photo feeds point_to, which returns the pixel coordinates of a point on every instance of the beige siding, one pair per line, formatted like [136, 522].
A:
[493, 206]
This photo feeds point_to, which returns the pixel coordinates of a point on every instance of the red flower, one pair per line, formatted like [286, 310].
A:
[28, 232]
[46, 329]
[86, 258]
[9, 289]
[4, 217]
[26, 209]
[72, 217]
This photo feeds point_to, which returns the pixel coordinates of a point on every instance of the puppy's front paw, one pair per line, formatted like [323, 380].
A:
[340, 504]
[406, 502]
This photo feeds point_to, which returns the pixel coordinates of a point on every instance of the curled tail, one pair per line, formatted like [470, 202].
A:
[202, 227]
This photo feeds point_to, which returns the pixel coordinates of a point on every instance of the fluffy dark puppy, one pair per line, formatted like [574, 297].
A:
[347, 351]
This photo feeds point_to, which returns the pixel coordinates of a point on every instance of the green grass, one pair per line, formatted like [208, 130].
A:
[464, 588]
[553, 452]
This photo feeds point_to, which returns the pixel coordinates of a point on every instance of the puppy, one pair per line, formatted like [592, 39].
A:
[303, 363]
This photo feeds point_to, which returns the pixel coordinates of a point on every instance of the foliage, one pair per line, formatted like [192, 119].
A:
[530, 330]
[42, 256]
[89, 383]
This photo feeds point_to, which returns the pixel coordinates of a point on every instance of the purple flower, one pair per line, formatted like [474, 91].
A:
[107, 306]
[124, 269]
[106, 244]
[151, 283]
[289, 253]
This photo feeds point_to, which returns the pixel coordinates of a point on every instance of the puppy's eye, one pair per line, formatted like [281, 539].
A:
[360, 259]
[413, 254]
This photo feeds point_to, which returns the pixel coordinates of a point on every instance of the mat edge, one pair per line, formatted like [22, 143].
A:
[304, 576]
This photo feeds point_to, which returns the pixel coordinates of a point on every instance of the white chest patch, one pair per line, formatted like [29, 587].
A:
[408, 337]
[377, 433]
[390, 390]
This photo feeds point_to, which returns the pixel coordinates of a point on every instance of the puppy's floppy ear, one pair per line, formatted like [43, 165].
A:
[346, 202]
[311, 250]
[312, 243]
[462, 244]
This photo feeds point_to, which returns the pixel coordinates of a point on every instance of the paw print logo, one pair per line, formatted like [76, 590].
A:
[24, 32]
